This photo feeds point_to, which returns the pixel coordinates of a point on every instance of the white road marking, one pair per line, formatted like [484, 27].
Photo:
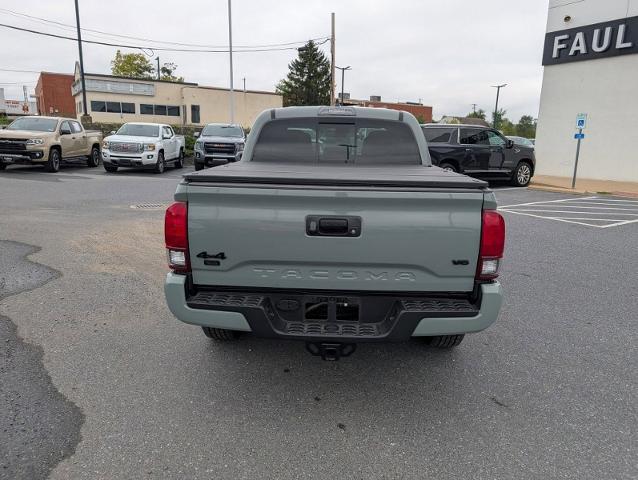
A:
[543, 202]
[587, 211]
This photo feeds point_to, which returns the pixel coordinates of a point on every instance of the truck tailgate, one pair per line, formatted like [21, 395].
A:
[421, 240]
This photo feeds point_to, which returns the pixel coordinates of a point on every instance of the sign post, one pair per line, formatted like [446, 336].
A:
[581, 123]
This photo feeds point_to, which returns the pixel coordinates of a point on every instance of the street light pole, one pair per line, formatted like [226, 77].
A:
[230, 49]
[498, 90]
[343, 72]
[158, 68]
[77, 21]
[332, 59]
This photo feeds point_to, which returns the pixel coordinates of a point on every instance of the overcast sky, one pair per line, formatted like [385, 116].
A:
[445, 53]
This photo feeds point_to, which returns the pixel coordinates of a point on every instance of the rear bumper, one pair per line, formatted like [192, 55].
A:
[404, 317]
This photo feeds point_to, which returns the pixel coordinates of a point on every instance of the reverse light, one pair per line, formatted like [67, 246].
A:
[176, 237]
[492, 245]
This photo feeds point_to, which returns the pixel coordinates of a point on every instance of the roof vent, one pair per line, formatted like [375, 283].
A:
[375, 98]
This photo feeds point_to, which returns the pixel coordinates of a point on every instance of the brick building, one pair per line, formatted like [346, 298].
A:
[53, 92]
[423, 113]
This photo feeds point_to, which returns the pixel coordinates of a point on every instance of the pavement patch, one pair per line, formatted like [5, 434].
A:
[39, 427]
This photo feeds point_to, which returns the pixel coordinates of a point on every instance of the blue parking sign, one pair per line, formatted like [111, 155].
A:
[581, 120]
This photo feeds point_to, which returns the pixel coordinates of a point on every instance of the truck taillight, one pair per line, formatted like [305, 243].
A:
[176, 237]
[492, 245]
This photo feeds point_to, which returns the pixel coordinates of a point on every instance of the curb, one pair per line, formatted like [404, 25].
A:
[578, 191]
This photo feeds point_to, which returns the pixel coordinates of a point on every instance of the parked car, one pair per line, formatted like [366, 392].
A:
[480, 152]
[48, 141]
[334, 228]
[218, 144]
[525, 142]
[143, 145]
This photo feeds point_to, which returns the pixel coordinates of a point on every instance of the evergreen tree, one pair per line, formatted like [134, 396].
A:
[308, 79]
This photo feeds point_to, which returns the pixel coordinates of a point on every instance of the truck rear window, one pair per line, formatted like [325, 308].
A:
[353, 141]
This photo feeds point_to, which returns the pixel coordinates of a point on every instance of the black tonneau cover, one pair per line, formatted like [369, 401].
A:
[334, 175]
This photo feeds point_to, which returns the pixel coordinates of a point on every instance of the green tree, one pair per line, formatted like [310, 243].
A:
[480, 113]
[166, 72]
[526, 127]
[308, 79]
[497, 117]
[134, 65]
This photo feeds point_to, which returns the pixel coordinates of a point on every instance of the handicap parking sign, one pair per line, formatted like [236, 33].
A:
[581, 120]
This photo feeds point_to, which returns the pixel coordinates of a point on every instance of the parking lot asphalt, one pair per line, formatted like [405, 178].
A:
[547, 392]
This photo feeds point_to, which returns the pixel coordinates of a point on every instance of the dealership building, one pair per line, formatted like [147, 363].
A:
[112, 99]
[590, 63]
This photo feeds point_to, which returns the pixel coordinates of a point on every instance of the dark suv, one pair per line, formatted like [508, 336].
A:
[479, 152]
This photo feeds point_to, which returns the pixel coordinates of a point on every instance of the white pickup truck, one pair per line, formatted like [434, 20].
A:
[143, 145]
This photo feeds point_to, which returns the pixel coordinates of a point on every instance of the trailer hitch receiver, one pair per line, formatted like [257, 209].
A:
[331, 352]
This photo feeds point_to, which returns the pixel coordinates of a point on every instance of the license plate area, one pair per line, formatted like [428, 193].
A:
[330, 309]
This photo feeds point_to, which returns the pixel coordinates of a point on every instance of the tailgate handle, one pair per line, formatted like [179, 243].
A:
[332, 226]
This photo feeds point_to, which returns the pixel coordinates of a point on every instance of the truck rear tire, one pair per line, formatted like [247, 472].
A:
[179, 163]
[94, 158]
[449, 167]
[445, 341]
[220, 334]
[53, 164]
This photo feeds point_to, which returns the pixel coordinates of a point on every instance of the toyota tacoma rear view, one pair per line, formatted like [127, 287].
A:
[334, 229]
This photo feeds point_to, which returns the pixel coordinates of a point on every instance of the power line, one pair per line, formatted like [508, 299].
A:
[139, 47]
[100, 32]
[18, 71]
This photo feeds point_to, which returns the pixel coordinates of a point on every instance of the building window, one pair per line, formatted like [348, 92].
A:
[160, 109]
[146, 109]
[194, 113]
[113, 107]
[98, 106]
[128, 107]
[173, 111]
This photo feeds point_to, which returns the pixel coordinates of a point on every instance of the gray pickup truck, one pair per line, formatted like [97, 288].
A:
[334, 229]
[219, 144]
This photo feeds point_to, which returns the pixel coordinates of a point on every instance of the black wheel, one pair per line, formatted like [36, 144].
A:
[110, 168]
[449, 167]
[445, 341]
[94, 159]
[161, 164]
[220, 334]
[199, 166]
[522, 175]
[53, 164]
[3, 166]
[179, 163]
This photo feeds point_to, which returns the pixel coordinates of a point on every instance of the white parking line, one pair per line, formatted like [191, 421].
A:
[587, 211]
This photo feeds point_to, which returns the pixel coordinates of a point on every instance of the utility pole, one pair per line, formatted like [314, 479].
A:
[77, 22]
[343, 72]
[498, 90]
[332, 60]
[158, 68]
[244, 79]
[474, 108]
[230, 50]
